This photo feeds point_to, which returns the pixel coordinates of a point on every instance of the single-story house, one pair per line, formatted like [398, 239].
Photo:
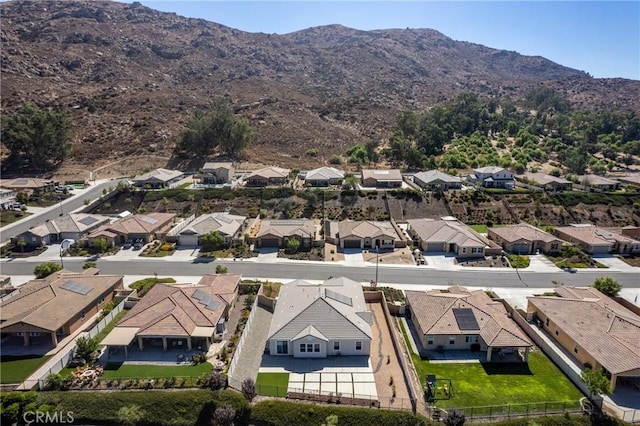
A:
[321, 320]
[277, 233]
[595, 240]
[382, 178]
[631, 231]
[631, 179]
[187, 316]
[28, 185]
[597, 331]
[449, 235]
[600, 183]
[147, 227]
[228, 225]
[364, 234]
[158, 178]
[268, 176]
[525, 239]
[492, 177]
[69, 226]
[547, 182]
[217, 173]
[324, 176]
[55, 306]
[459, 319]
[433, 180]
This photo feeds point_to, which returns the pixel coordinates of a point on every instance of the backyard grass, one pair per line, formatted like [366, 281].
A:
[272, 384]
[126, 371]
[103, 333]
[481, 229]
[17, 369]
[484, 384]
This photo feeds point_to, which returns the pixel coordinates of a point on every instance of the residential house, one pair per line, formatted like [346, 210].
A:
[364, 234]
[147, 227]
[277, 233]
[449, 235]
[179, 316]
[7, 198]
[71, 226]
[382, 178]
[595, 240]
[217, 173]
[631, 179]
[324, 176]
[42, 312]
[229, 226]
[269, 176]
[320, 320]
[493, 177]
[599, 183]
[631, 231]
[597, 331]
[434, 180]
[461, 319]
[546, 182]
[28, 185]
[525, 239]
[158, 178]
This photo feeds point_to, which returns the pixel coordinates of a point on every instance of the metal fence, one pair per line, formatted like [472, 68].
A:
[495, 412]
[247, 326]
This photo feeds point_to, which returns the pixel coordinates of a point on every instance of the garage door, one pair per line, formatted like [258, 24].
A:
[521, 248]
[270, 242]
[351, 243]
[188, 240]
[435, 247]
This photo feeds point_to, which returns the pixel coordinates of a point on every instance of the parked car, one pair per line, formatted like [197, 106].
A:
[138, 244]
[70, 187]
[127, 245]
[571, 270]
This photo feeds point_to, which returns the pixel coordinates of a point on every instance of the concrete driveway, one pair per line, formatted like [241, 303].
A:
[353, 257]
[442, 261]
[615, 264]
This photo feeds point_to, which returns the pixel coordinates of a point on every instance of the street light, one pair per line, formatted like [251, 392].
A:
[61, 211]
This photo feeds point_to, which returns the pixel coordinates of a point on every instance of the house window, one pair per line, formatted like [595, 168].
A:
[547, 322]
[464, 249]
[358, 346]
[557, 332]
[575, 348]
[34, 334]
[303, 347]
[429, 340]
[477, 339]
[20, 333]
[452, 340]
[82, 314]
[101, 299]
[316, 347]
[282, 347]
[309, 347]
[467, 339]
[554, 246]
[336, 346]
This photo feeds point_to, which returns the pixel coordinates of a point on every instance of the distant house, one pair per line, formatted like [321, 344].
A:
[42, 312]
[547, 182]
[461, 319]
[28, 185]
[631, 231]
[277, 233]
[525, 239]
[69, 226]
[597, 331]
[631, 179]
[595, 240]
[184, 316]
[433, 180]
[324, 176]
[269, 176]
[364, 234]
[493, 177]
[321, 320]
[450, 236]
[147, 227]
[382, 178]
[217, 173]
[228, 225]
[158, 178]
[600, 183]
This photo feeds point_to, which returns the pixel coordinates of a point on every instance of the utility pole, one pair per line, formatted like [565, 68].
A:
[377, 262]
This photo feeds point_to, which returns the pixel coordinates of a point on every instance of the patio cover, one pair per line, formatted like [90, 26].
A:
[203, 332]
[120, 336]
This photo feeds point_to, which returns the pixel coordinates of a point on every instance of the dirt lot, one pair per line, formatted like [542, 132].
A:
[397, 257]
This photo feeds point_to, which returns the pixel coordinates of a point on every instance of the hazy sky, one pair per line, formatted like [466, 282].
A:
[599, 37]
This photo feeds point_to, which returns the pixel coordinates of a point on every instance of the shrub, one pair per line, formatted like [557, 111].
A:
[217, 381]
[166, 247]
[249, 389]
[335, 159]
[130, 414]
[312, 152]
[221, 269]
[88, 265]
[224, 415]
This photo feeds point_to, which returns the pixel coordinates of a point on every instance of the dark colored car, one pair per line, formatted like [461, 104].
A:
[138, 244]
[127, 245]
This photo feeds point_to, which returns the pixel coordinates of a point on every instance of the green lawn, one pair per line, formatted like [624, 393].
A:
[483, 384]
[103, 333]
[481, 229]
[272, 384]
[116, 371]
[17, 369]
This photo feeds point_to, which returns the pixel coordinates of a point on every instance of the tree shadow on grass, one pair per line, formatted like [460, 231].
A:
[115, 365]
[513, 368]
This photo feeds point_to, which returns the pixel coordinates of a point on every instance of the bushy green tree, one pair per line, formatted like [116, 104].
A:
[596, 381]
[293, 244]
[86, 347]
[211, 241]
[101, 244]
[45, 269]
[607, 286]
[130, 414]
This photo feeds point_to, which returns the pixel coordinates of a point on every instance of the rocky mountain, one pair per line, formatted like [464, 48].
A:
[131, 77]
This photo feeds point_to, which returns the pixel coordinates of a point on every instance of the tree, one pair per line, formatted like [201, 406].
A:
[85, 348]
[596, 381]
[240, 137]
[454, 417]
[130, 414]
[221, 269]
[350, 182]
[21, 243]
[45, 269]
[331, 420]
[607, 286]
[249, 389]
[224, 415]
[211, 241]
[293, 244]
[37, 139]
[101, 244]
[217, 381]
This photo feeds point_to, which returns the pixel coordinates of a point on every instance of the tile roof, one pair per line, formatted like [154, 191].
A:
[633, 179]
[163, 175]
[314, 309]
[596, 180]
[435, 313]
[216, 165]
[77, 222]
[303, 228]
[24, 183]
[270, 173]
[603, 328]
[364, 229]
[141, 223]
[382, 175]
[523, 231]
[436, 175]
[594, 235]
[449, 231]
[324, 173]
[543, 178]
[225, 223]
[47, 304]
[490, 169]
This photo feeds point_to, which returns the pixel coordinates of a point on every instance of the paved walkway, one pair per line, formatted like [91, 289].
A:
[253, 347]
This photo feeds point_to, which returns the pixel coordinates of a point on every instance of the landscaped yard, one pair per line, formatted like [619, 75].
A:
[17, 369]
[481, 229]
[10, 216]
[103, 333]
[484, 384]
[122, 371]
[272, 384]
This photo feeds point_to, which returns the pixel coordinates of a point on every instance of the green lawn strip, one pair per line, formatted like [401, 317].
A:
[17, 369]
[519, 261]
[150, 371]
[103, 333]
[481, 229]
[272, 384]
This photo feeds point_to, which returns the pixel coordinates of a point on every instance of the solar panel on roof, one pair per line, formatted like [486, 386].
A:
[338, 297]
[88, 220]
[465, 319]
[76, 287]
[198, 294]
[206, 299]
[20, 181]
[148, 219]
[288, 223]
[213, 305]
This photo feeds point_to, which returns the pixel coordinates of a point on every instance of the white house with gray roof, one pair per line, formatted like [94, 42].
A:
[321, 320]
[228, 225]
[324, 176]
[158, 178]
[435, 179]
[493, 177]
